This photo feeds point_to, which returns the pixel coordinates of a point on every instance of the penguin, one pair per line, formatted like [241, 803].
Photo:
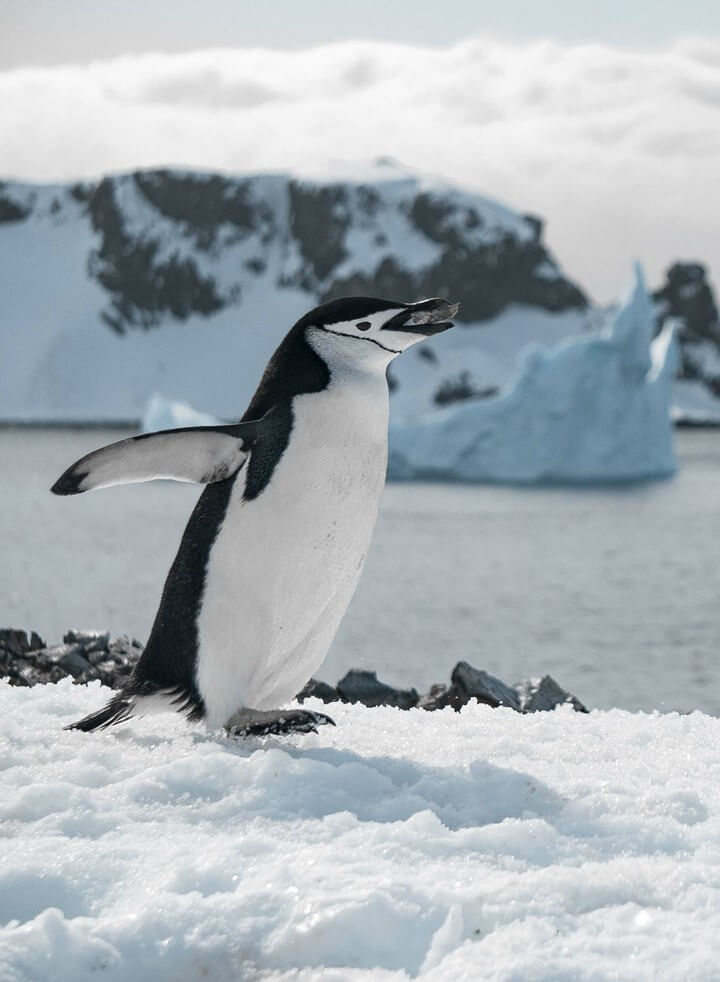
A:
[274, 548]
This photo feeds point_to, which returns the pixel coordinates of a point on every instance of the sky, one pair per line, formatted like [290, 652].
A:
[602, 118]
[43, 32]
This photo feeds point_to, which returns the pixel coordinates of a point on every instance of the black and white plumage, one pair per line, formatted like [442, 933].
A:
[274, 548]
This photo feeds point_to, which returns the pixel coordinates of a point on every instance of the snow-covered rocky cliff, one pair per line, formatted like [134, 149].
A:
[686, 299]
[184, 283]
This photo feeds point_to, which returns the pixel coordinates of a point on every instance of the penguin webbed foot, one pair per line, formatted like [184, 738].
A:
[277, 722]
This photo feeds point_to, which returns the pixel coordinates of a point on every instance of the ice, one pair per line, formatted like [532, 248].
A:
[590, 409]
[399, 844]
[166, 414]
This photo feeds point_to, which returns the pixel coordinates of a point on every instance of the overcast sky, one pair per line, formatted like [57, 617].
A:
[609, 128]
[43, 32]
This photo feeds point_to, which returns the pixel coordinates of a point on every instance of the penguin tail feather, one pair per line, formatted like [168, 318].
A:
[116, 711]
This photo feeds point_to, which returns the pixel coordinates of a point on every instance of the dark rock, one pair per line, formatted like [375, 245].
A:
[142, 286]
[487, 274]
[460, 389]
[202, 203]
[319, 220]
[66, 656]
[88, 640]
[473, 683]
[10, 209]
[99, 657]
[539, 695]
[362, 686]
[122, 648]
[89, 656]
[318, 690]
[145, 283]
[688, 297]
[14, 641]
[74, 663]
[85, 655]
[437, 698]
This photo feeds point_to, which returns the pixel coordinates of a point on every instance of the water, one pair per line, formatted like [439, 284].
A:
[615, 592]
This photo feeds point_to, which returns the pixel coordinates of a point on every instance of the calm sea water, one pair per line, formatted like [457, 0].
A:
[615, 592]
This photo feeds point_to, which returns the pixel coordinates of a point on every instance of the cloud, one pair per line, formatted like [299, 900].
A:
[618, 149]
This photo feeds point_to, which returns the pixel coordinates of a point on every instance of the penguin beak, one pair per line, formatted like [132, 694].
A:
[426, 317]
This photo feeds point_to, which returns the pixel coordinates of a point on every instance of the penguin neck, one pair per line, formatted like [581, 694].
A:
[303, 365]
[350, 357]
[295, 369]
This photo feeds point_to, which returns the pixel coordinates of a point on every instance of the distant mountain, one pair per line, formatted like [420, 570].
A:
[174, 244]
[687, 299]
[183, 283]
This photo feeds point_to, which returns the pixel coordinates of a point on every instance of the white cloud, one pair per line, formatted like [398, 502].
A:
[619, 150]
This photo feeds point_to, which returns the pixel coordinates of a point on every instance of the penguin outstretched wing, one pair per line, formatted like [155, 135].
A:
[199, 454]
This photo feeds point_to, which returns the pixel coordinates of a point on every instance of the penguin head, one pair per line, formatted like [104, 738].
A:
[368, 329]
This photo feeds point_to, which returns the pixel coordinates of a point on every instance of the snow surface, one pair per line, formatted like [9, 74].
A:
[490, 845]
[590, 409]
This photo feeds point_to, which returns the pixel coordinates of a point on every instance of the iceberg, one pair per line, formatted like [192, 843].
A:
[161, 413]
[588, 410]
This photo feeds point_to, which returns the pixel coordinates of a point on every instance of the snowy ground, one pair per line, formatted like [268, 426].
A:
[398, 845]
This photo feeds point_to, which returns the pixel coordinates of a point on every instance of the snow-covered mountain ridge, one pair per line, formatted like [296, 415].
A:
[183, 283]
[178, 243]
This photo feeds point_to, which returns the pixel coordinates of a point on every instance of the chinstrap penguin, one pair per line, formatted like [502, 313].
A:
[274, 548]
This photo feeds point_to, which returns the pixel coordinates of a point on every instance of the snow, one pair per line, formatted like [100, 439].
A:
[397, 845]
[590, 409]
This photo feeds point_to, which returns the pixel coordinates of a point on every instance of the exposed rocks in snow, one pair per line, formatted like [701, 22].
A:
[90, 656]
[170, 244]
[143, 284]
[318, 690]
[363, 686]
[467, 684]
[461, 388]
[687, 299]
[12, 210]
[84, 655]
[536, 695]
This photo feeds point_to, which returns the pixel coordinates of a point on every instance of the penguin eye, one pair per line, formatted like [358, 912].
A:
[363, 326]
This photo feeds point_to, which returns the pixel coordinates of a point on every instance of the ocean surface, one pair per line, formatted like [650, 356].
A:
[615, 591]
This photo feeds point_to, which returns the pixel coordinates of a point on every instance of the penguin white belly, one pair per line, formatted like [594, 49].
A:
[284, 565]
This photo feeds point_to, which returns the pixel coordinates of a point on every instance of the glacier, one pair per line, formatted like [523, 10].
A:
[589, 409]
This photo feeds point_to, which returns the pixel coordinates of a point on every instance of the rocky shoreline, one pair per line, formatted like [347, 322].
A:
[88, 656]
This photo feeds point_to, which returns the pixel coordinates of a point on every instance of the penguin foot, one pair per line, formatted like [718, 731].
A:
[253, 722]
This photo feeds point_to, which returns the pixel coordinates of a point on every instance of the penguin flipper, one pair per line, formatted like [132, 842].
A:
[200, 454]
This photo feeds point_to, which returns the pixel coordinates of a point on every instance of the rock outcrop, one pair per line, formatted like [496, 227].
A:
[687, 299]
[90, 656]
